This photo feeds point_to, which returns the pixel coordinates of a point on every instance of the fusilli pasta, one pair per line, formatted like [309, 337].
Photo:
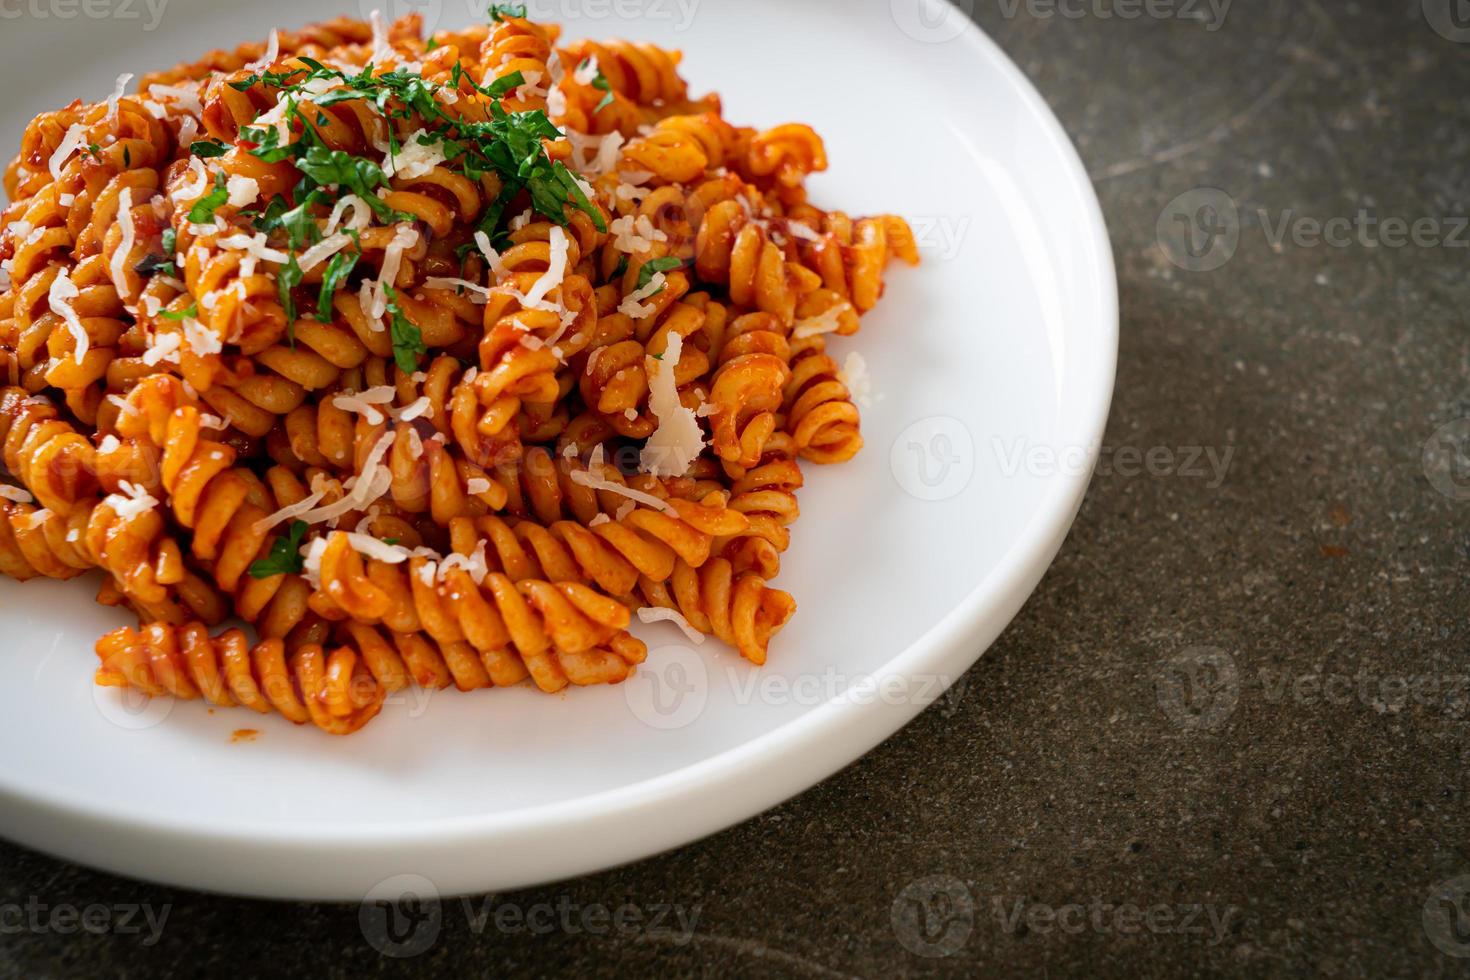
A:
[431, 360]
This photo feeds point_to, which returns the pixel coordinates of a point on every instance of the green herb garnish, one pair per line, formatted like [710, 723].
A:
[208, 148]
[285, 555]
[338, 269]
[408, 340]
[655, 266]
[192, 311]
[203, 210]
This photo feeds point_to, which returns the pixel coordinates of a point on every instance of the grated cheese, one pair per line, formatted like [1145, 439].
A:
[479, 295]
[587, 479]
[241, 190]
[74, 140]
[117, 94]
[272, 52]
[323, 250]
[419, 407]
[186, 96]
[827, 321]
[633, 306]
[855, 375]
[658, 614]
[497, 264]
[254, 245]
[586, 72]
[17, 494]
[62, 292]
[125, 245]
[678, 440]
[133, 500]
[365, 402]
[477, 485]
[165, 347]
[414, 159]
[555, 270]
[200, 339]
[362, 215]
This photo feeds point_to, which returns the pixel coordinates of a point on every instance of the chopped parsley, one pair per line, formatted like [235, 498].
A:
[600, 83]
[208, 148]
[192, 311]
[288, 278]
[285, 557]
[338, 269]
[408, 340]
[203, 210]
[655, 266]
[499, 11]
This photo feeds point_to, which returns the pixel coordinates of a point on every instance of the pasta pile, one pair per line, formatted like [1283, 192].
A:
[432, 361]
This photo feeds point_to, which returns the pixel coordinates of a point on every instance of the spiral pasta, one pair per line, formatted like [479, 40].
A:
[433, 360]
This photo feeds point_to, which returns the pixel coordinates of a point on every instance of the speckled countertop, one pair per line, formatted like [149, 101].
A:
[1230, 730]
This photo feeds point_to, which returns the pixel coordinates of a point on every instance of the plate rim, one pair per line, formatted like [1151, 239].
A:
[683, 801]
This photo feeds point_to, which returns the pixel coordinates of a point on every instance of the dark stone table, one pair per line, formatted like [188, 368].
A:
[1229, 731]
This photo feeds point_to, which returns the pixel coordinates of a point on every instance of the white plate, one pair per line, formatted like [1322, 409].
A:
[993, 364]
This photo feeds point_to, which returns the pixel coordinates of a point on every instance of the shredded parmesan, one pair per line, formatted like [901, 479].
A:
[17, 494]
[478, 294]
[74, 140]
[272, 52]
[133, 500]
[657, 614]
[200, 339]
[855, 375]
[362, 215]
[497, 264]
[633, 306]
[254, 245]
[323, 250]
[585, 478]
[365, 488]
[476, 485]
[63, 291]
[117, 93]
[242, 190]
[414, 159]
[165, 347]
[125, 245]
[555, 270]
[677, 441]
[186, 96]
[364, 402]
[827, 321]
